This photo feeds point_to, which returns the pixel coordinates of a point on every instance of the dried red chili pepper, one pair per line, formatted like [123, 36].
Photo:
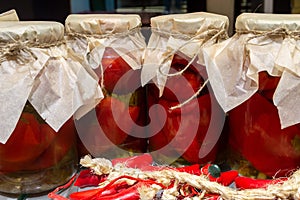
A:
[227, 177]
[99, 192]
[215, 174]
[115, 190]
[138, 161]
[130, 193]
[243, 182]
[55, 196]
[85, 194]
[87, 178]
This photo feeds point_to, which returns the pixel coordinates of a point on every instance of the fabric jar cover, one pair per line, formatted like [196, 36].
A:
[89, 34]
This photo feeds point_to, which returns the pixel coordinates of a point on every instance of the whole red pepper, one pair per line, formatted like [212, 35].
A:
[34, 145]
[181, 123]
[267, 84]
[100, 130]
[26, 142]
[256, 134]
[109, 120]
[178, 137]
[183, 86]
[63, 143]
[118, 76]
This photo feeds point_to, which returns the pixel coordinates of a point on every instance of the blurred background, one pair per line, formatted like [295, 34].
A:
[58, 10]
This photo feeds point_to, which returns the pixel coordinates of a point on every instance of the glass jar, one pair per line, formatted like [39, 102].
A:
[182, 107]
[256, 76]
[111, 46]
[42, 88]
[36, 158]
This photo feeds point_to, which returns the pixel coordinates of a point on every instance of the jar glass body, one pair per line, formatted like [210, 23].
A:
[187, 131]
[258, 145]
[36, 159]
[112, 125]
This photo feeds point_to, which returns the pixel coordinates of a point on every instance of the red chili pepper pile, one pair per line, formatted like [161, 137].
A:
[119, 188]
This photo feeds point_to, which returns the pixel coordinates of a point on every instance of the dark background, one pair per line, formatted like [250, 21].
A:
[58, 10]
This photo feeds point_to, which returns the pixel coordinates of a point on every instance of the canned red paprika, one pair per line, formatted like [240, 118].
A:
[182, 106]
[39, 91]
[256, 74]
[111, 46]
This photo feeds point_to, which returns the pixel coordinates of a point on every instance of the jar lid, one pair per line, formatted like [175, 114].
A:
[267, 22]
[34, 32]
[101, 24]
[190, 23]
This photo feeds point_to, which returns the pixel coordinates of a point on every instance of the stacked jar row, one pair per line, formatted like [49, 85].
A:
[190, 95]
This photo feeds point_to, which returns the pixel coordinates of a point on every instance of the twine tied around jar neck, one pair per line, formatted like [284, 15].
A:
[210, 35]
[89, 36]
[101, 36]
[12, 51]
[280, 31]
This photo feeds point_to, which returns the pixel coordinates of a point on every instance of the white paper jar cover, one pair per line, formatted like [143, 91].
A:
[186, 33]
[262, 42]
[94, 32]
[35, 67]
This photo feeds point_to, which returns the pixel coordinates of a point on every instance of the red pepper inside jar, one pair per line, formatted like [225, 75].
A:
[259, 79]
[114, 55]
[39, 90]
[177, 81]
